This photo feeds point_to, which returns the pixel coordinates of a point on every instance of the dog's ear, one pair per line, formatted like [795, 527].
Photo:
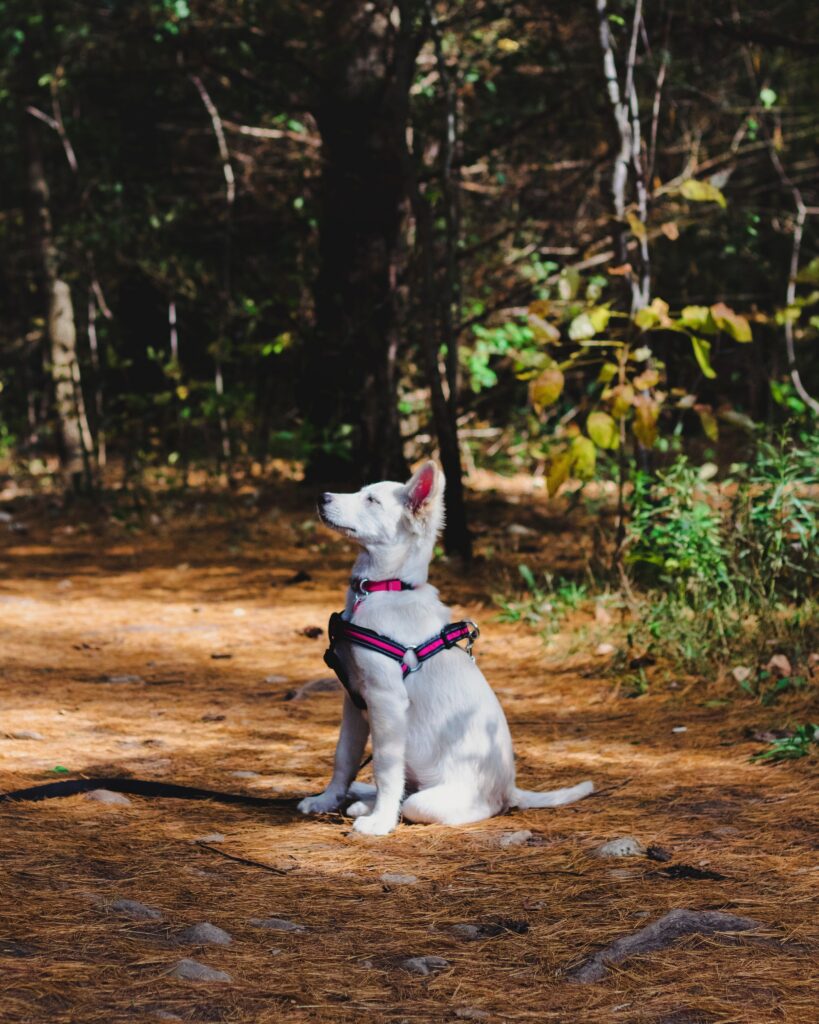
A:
[424, 489]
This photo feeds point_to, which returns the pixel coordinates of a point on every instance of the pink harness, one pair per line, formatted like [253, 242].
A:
[410, 658]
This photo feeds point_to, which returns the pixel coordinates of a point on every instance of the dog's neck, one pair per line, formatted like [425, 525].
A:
[388, 563]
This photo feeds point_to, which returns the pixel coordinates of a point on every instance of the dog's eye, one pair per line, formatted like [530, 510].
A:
[373, 500]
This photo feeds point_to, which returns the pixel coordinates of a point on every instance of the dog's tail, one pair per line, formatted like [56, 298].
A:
[526, 798]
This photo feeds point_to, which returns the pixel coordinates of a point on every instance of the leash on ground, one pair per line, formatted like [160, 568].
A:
[140, 787]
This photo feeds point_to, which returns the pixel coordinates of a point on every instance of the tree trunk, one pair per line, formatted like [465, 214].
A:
[349, 377]
[61, 330]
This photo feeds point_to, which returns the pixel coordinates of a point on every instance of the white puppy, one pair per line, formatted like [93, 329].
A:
[441, 746]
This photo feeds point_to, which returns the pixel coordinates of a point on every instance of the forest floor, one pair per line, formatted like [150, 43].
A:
[166, 643]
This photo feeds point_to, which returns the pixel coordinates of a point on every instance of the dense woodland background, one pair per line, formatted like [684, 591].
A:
[560, 239]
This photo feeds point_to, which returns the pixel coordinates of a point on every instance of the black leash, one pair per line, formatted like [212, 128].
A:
[140, 787]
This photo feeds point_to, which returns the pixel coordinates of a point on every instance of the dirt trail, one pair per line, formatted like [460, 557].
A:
[166, 649]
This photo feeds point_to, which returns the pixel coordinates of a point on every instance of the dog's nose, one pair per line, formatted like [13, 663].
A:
[325, 499]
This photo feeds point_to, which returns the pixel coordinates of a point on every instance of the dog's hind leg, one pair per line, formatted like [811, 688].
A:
[447, 804]
[361, 791]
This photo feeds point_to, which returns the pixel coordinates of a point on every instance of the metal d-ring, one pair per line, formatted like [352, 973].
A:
[418, 662]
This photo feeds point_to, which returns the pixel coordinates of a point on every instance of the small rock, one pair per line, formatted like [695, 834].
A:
[626, 846]
[192, 970]
[26, 734]
[275, 679]
[466, 932]
[211, 837]
[471, 1013]
[212, 717]
[603, 650]
[277, 924]
[519, 530]
[65, 585]
[205, 934]
[136, 911]
[327, 684]
[108, 796]
[244, 775]
[813, 661]
[165, 1015]
[741, 673]
[313, 632]
[424, 965]
[393, 878]
[516, 838]
[780, 666]
[601, 614]
[680, 728]
[124, 679]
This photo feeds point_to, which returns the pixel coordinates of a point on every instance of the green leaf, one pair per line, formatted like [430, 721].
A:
[702, 353]
[702, 192]
[810, 273]
[603, 430]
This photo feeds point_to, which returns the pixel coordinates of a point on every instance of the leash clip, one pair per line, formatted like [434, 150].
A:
[359, 586]
[473, 636]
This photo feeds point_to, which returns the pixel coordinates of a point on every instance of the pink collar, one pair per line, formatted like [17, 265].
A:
[361, 587]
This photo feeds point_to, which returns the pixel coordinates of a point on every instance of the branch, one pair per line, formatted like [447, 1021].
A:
[219, 132]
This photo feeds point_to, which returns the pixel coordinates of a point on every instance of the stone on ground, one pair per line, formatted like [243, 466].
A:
[277, 924]
[516, 838]
[394, 878]
[211, 837]
[205, 933]
[26, 734]
[471, 1013]
[136, 911]
[424, 965]
[108, 796]
[192, 970]
[625, 846]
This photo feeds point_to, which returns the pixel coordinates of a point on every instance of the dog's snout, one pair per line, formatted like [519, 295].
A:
[325, 499]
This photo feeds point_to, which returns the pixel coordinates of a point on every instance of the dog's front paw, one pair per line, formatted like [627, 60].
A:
[321, 804]
[375, 824]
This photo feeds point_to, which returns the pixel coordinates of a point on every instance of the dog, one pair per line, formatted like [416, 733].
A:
[441, 746]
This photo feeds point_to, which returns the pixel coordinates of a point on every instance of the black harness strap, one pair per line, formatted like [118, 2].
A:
[340, 629]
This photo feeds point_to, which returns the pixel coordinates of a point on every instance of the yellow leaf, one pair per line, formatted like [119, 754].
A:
[696, 317]
[702, 192]
[581, 328]
[730, 322]
[508, 45]
[603, 430]
[702, 353]
[182, 392]
[708, 420]
[547, 388]
[638, 229]
[646, 414]
[647, 379]
[584, 457]
[558, 472]
[600, 316]
[622, 398]
[608, 371]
